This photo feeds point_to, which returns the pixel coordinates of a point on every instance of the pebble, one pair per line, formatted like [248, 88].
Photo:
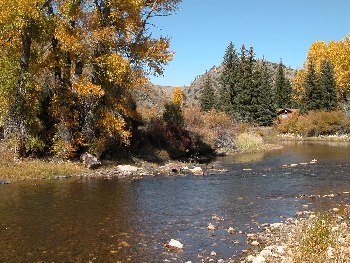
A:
[231, 230]
[276, 225]
[213, 254]
[217, 218]
[255, 243]
[259, 259]
[175, 244]
[211, 227]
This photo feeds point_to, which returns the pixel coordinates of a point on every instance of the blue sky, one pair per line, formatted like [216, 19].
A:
[277, 29]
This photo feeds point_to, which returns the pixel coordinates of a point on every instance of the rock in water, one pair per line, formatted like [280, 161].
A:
[197, 171]
[175, 244]
[231, 230]
[211, 227]
[90, 161]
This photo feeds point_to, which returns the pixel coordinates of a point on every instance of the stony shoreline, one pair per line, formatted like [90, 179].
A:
[145, 169]
[311, 237]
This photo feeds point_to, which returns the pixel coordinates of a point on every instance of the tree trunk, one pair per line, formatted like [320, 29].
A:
[16, 125]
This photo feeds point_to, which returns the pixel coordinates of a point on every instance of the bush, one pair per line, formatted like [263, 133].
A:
[173, 114]
[315, 123]
[214, 127]
[249, 142]
[317, 236]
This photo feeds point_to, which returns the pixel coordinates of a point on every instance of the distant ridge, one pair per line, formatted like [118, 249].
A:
[156, 95]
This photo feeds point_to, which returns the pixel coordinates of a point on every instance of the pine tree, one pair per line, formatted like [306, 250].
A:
[327, 80]
[228, 81]
[282, 89]
[243, 100]
[314, 93]
[207, 99]
[264, 108]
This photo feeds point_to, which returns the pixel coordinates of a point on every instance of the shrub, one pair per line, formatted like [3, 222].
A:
[315, 123]
[211, 126]
[317, 236]
[173, 115]
[249, 142]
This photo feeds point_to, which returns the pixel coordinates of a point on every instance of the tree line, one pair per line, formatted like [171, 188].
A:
[250, 93]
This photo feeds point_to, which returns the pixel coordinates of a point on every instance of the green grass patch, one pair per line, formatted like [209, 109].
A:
[13, 169]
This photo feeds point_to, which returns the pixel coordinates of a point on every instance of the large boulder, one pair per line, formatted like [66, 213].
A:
[90, 161]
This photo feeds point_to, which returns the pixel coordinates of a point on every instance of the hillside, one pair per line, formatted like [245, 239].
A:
[193, 92]
[156, 95]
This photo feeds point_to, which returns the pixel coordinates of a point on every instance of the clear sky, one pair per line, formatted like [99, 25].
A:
[277, 29]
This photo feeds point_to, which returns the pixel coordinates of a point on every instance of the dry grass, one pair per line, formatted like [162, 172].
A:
[323, 237]
[249, 142]
[13, 169]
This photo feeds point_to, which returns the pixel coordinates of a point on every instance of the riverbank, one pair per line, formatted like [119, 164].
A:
[14, 169]
[311, 237]
[334, 137]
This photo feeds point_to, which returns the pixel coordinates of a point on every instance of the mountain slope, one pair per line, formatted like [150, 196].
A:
[156, 95]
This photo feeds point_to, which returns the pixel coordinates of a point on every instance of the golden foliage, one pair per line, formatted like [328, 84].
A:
[84, 58]
[338, 52]
[178, 96]
[115, 125]
[84, 88]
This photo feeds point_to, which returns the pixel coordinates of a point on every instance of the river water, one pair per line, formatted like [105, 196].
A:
[101, 220]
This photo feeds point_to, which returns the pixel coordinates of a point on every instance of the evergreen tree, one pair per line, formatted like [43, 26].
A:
[243, 102]
[314, 93]
[207, 99]
[327, 80]
[264, 110]
[282, 89]
[228, 81]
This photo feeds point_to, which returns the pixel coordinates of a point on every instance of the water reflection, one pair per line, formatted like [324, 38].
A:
[110, 220]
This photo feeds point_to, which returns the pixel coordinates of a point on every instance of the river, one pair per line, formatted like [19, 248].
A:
[101, 220]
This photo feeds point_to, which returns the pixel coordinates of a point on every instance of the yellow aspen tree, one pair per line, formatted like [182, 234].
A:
[20, 39]
[91, 55]
[178, 96]
[338, 53]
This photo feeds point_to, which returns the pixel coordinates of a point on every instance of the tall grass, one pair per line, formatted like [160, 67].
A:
[13, 169]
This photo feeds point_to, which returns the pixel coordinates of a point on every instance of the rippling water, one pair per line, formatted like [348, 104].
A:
[100, 220]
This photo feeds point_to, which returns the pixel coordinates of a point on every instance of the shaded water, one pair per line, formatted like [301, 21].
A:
[100, 220]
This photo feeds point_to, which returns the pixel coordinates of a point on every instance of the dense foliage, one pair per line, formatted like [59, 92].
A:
[315, 123]
[246, 87]
[67, 69]
[327, 70]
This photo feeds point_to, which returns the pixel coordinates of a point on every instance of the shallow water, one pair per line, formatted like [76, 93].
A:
[100, 220]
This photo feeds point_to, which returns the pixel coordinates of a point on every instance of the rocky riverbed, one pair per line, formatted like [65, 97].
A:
[311, 237]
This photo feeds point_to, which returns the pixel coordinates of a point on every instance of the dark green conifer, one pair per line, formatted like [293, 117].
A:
[243, 102]
[264, 110]
[228, 80]
[207, 99]
[314, 93]
[282, 89]
[328, 83]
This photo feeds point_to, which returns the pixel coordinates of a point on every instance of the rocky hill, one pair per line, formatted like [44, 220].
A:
[193, 92]
[156, 96]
